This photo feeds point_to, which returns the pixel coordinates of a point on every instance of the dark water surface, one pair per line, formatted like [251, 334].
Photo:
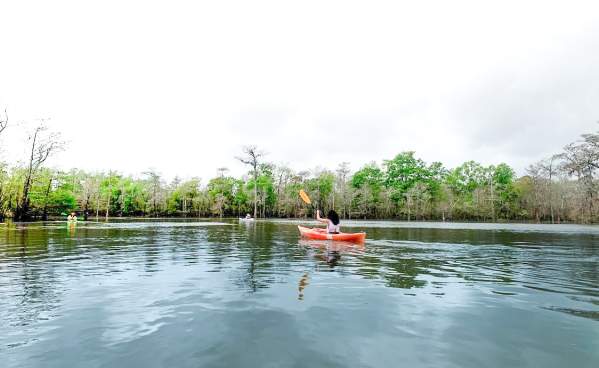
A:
[209, 294]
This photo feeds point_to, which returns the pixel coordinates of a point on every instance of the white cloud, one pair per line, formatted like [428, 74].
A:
[181, 86]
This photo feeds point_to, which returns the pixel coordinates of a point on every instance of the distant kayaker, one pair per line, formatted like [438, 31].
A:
[72, 217]
[332, 221]
[248, 216]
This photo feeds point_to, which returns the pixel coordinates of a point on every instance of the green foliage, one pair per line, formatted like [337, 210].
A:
[241, 198]
[404, 187]
[368, 183]
[465, 178]
[220, 191]
[370, 175]
[62, 201]
[402, 172]
[405, 171]
[320, 188]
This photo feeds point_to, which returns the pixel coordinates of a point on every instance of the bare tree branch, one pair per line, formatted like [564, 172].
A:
[582, 159]
[42, 147]
[4, 122]
[252, 158]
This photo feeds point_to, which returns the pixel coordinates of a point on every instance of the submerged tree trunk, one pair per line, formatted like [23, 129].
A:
[492, 201]
[22, 211]
[551, 189]
[252, 158]
[86, 207]
[122, 209]
[41, 149]
[255, 191]
[45, 212]
[109, 195]
[98, 206]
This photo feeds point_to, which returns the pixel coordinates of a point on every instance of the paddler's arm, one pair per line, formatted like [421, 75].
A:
[318, 218]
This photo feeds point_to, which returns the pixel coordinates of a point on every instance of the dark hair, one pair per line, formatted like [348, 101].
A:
[333, 216]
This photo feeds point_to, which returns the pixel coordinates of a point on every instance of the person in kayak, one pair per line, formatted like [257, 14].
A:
[332, 221]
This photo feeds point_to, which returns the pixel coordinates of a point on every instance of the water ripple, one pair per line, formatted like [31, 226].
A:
[116, 285]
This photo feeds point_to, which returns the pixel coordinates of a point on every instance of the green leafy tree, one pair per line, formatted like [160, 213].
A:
[368, 183]
[402, 172]
[503, 184]
[220, 191]
[405, 171]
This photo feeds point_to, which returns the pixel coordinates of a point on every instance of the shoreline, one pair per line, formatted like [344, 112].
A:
[291, 219]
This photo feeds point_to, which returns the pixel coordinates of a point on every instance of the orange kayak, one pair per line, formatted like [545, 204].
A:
[321, 234]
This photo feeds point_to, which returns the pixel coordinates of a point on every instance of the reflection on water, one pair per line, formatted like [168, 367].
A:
[330, 251]
[228, 294]
[304, 281]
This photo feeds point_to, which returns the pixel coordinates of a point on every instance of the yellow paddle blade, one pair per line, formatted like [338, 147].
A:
[304, 196]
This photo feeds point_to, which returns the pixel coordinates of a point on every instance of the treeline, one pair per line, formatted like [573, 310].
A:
[562, 188]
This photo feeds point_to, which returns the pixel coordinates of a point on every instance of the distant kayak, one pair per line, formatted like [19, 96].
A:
[246, 219]
[321, 234]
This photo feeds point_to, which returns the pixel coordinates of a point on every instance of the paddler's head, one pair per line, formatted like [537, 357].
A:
[333, 216]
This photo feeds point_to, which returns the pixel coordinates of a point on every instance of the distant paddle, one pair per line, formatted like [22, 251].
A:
[305, 197]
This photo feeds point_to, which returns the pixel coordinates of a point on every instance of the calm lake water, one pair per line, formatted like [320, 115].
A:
[224, 294]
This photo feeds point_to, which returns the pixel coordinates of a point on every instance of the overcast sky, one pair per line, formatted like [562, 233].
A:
[181, 86]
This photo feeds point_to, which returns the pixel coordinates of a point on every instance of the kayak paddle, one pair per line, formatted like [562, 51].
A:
[307, 200]
[305, 197]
